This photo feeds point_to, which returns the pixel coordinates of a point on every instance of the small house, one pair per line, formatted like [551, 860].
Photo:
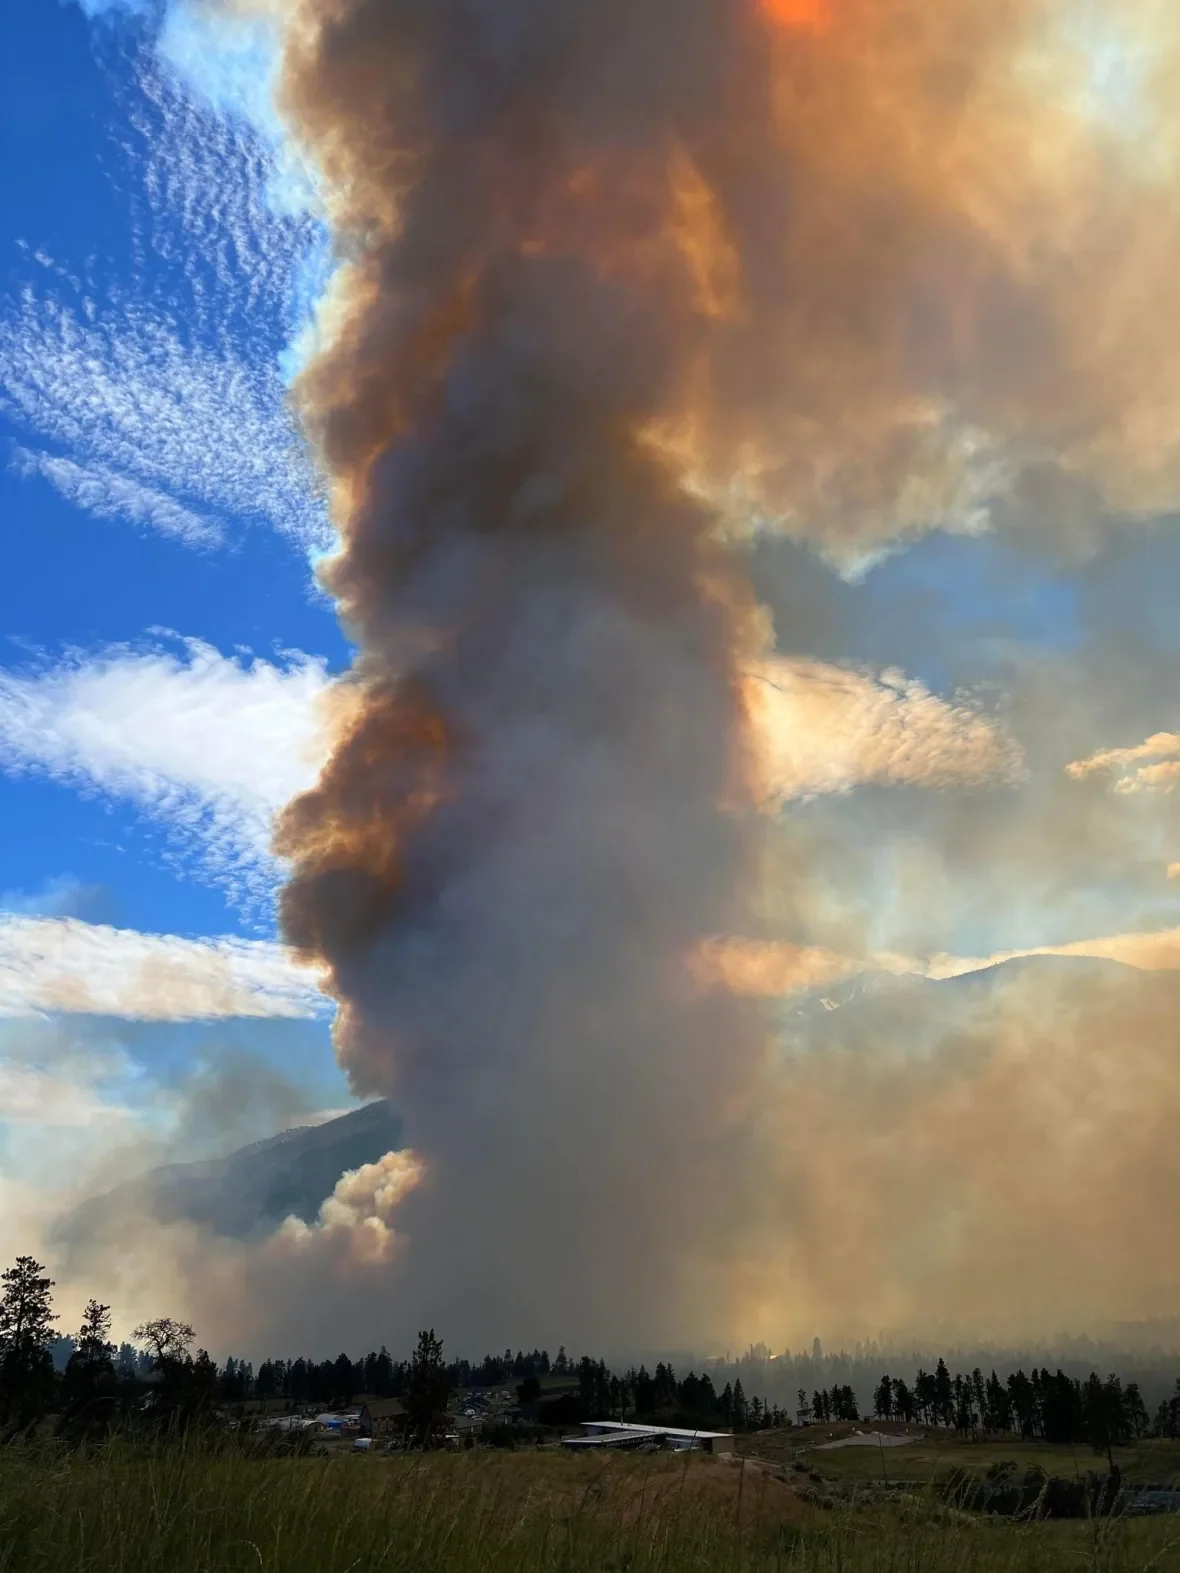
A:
[387, 1416]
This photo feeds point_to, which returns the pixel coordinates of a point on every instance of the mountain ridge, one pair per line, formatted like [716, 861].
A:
[249, 1192]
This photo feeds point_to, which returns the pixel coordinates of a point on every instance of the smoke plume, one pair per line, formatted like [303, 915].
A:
[622, 281]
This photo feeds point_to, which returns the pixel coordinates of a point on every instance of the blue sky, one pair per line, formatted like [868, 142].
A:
[163, 644]
[158, 519]
[89, 252]
[99, 268]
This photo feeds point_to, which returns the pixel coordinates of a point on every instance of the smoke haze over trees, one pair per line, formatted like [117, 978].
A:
[647, 317]
[164, 1387]
[619, 284]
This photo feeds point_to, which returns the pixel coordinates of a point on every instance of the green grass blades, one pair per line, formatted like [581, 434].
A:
[191, 1508]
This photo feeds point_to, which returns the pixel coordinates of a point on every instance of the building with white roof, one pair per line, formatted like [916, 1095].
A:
[626, 1434]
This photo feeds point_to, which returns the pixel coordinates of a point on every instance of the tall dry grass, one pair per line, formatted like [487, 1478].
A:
[194, 1509]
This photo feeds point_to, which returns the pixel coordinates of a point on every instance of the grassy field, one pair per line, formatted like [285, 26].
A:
[189, 1511]
[932, 1457]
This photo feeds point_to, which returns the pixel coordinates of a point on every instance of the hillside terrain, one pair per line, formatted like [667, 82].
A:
[249, 1192]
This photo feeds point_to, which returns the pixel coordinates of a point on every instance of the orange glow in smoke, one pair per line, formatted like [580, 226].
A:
[802, 16]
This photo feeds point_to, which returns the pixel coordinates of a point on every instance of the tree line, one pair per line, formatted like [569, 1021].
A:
[639, 1395]
[92, 1383]
[309, 1381]
[159, 1377]
[161, 1380]
[590, 1389]
[1042, 1405]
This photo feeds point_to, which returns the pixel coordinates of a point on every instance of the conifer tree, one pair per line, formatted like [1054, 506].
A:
[428, 1388]
[1105, 1417]
[904, 1406]
[26, 1331]
[944, 1395]
[883, 1398]
[1135, 1411]
[726, 1403]
[89, 1383]
[997, 1414]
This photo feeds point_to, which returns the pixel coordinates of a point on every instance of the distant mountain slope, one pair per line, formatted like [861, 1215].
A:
[878, 1008]
[252, 1190]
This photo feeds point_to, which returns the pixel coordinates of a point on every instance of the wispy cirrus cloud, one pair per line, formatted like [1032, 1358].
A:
[211, 747]
[64, 965]
[207, 746]
[123, 396]
[161, 399]
[108, 495]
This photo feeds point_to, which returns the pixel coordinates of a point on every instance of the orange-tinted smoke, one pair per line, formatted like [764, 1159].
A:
[995, 1159]
[619, 276]
[521, 835]
[954, 257]
[805, 16]
[385, 777]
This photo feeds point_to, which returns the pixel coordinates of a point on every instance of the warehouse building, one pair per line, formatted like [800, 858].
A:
[621, 1434]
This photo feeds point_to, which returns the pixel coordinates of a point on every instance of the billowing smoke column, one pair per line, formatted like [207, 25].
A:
[536, 810]
[623, 277]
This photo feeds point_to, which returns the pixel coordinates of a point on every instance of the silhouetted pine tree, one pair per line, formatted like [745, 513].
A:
[26, 1331]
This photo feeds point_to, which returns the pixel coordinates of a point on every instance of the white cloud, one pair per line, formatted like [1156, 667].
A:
[1152, 767]
[209, 746]
[1154, 764]
[166, 405]
[62, 964]
[212, 747]
[127, 399]
[827, 729]
[108, 495]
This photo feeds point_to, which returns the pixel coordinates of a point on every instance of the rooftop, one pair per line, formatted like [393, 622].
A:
[639, 1430]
